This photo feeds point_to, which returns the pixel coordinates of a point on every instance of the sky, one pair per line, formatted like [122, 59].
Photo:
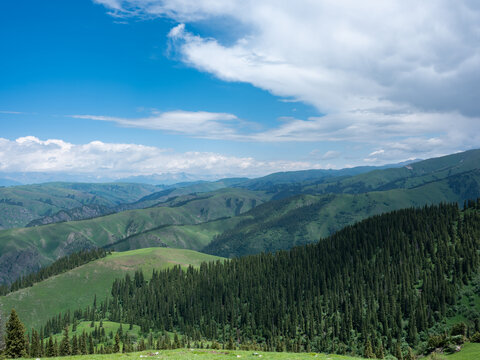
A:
[220, 88]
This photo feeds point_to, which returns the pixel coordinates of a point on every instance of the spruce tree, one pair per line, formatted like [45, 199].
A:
[16, 343]
[410, 355]
[2, 333]
[91, 348]
[75, 345]
[65, 348]
[50, 351]
[116, 347]
[398, 351]
[55, 347]
[368, 353]
[83, 344]
[380, 353]
[35, 346]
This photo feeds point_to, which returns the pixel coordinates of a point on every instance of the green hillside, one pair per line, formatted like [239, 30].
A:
[126, 197]
[20, 205]
[406, 177]
[302, 219]
[360, 180]
[25, 249]
[194, 237]
[389, 282]
[76, 288]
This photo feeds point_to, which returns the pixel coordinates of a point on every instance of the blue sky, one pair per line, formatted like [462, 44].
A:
[227, 88]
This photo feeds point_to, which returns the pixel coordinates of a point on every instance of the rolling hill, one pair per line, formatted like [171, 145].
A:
[19, 205]
[302, 219]
[77, 288]
[407, 176]
[221, 223]
[24, 250]
[157, 198]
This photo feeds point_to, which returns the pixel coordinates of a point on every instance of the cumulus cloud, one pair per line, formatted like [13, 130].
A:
[400, 75]
[31, 154]
[337, 54]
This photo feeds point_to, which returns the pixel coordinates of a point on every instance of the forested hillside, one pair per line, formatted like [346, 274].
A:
[383, 282]
[79, 286]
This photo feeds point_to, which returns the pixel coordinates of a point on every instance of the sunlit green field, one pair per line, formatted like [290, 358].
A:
[184, 354]
[470, 351]
[76, 288]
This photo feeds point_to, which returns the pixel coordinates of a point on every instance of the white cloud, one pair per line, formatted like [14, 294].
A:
[30, 154]
[400, 75]
[10, 112]
[337, 55]
[199, 123]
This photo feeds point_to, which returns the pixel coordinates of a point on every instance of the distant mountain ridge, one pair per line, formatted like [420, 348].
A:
[222, 217]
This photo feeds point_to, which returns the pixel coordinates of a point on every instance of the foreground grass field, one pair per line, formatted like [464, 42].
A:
[469, 352]
[184, 354]
[76, 289]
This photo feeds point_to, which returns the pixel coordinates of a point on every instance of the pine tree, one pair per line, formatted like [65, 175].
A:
[91, 348]
[55, 347]
[65, 348]
[368, 353]
[116, 347]
[2, 333]
[380, 353]
[83, 343]
[15, 344]
[412, 329]
[50, 351]
[398, 351]
[176, 341]
[75, 345]
[35, 350]
[410, 355]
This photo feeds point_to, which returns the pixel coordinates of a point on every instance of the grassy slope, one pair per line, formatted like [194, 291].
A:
[46, 243]
[187, 354]
[306, 218]
[76, 288]
[470, 351]
[194, 237]
[406, 177]
[21, 204]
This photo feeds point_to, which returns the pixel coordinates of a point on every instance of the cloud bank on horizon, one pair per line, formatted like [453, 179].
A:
[111, 160]
[403, 75]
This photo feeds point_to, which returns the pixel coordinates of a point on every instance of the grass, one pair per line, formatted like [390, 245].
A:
[76, 288]
[184, 354]
[109, 326]
[470, 351]
[55, 240]
[305, 219]
[21, 204]
[194, 237]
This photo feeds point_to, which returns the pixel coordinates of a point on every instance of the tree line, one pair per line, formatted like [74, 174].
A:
[61, 265]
